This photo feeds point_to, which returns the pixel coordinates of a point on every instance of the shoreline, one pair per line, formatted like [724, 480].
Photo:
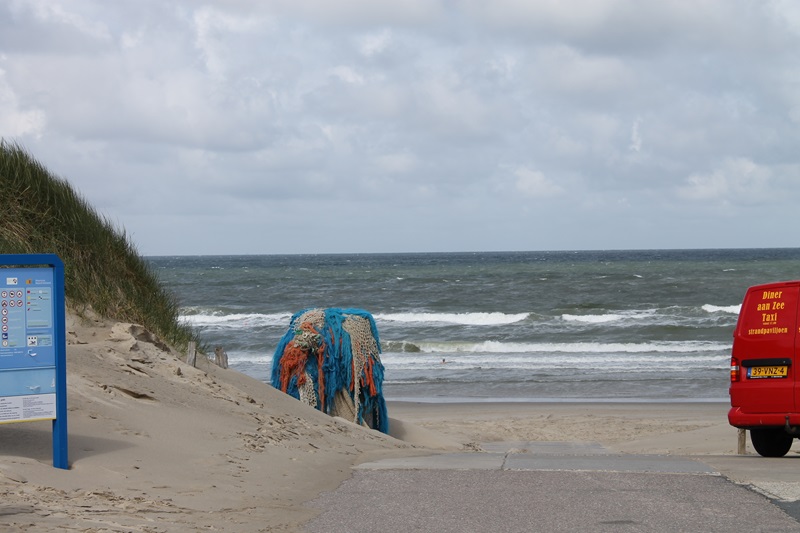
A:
[524, 400]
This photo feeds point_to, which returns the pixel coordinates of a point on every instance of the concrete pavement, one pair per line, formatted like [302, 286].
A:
[555, 487]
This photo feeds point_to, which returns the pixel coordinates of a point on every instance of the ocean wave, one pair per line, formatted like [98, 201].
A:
[400, 347]
[225, 319]
[609, 317]
[554, 361]
[219, 319]
[467, 319]
[495, 347]
[693, 317]
[563, 365]
[250, 358]
[733, 309]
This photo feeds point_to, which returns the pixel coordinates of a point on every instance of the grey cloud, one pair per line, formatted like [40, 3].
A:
[470, 125]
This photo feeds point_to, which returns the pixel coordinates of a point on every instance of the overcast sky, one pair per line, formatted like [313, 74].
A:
[326, 126]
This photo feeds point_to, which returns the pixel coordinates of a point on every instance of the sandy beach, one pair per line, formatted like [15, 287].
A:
[657, 428]
[156, 445]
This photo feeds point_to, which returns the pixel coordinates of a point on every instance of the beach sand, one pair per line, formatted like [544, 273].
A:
[648, 428]
[156, 445]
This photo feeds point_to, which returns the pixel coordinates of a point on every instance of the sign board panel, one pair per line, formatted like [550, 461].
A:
[27, 351]
[33, 344]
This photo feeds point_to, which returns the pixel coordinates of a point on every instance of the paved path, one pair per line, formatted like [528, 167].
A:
[555, 487]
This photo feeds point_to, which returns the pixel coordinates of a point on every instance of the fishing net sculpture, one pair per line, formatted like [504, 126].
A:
[330, 360]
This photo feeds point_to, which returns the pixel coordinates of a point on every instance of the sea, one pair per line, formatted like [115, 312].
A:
[614, 326]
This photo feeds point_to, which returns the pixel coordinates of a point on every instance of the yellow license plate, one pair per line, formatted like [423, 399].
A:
[767, 372]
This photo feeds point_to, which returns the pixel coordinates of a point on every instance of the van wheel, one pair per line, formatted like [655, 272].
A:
[771, 442]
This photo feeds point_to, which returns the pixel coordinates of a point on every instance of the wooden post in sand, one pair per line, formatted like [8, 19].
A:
[221, 357]
[741, 448]
[191, 353]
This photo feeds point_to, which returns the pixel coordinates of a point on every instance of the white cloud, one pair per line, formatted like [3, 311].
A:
[505, 65]
[534, 184]
[737, 180]
[216, 35]
[396, 163]
[627, 27]
[375, 106]
[785, 12]
[451, 106]
[375, 43]
[361, 13]
[347, 75]
[53, 12]
[563, 69]
[636, 136]
[15, 121]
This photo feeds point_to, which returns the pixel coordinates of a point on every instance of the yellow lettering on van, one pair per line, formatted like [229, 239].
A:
[769, 318]
[776, 306]
[763, 307]
[771, 295]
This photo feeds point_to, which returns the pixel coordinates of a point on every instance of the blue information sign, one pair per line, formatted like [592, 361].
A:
[33, 345]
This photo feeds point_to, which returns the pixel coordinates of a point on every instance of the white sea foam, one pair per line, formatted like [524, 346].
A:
[251, 358]
[580, 364]
[609, 317]
[733, 309]
[470, 319]
[592, 319]
[580, 357]
[495, 347]
[236, 320]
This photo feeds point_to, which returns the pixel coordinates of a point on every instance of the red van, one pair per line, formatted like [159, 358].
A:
[765, 397]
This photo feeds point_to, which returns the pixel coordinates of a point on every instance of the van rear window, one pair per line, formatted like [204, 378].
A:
[769, 310]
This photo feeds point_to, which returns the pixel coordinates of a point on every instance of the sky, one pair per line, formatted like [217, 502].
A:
[358, 126]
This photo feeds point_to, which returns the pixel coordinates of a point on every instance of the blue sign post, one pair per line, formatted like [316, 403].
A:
[33, 346]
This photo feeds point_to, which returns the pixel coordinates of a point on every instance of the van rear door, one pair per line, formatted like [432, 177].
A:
[764, 346]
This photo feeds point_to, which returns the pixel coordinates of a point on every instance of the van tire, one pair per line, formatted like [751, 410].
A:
[771, 442]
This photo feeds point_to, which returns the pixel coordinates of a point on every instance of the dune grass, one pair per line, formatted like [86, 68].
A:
[42, 213]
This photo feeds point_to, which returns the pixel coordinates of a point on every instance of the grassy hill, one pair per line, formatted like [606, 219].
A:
[42, 213]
